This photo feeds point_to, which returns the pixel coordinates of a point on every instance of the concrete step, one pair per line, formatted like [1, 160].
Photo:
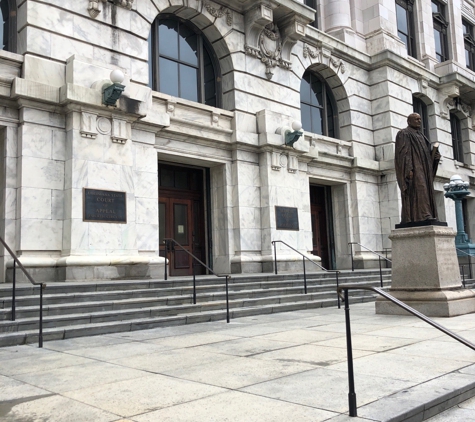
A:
[265, 288]
[90, 329]
[72, 313]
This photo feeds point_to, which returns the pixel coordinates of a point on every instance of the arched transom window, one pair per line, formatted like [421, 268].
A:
[182, 62]
[317, 105]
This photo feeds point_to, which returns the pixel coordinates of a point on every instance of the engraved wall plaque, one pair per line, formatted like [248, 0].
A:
[104, 206]
[287, 218]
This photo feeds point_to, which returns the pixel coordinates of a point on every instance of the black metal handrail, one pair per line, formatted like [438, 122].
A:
[351, 380]
[168, 247]
[16, 262]
[370, 250]
[303, 261]
[463, 266]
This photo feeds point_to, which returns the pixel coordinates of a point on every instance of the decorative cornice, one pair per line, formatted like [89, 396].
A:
[218, 13]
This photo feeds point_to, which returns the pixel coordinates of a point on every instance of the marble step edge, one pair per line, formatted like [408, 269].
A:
[89, 287]
[31, 336]
[99, 316]
[105, 297]
[422, 401]
[139, 304]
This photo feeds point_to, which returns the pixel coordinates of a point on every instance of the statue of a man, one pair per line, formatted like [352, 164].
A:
[416, 166]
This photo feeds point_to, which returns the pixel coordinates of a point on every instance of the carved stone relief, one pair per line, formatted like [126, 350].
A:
[120, 131]
[323, 55]
[94, 6]
[268, 41]
[88, 125]
[218, 13]
[104, 126]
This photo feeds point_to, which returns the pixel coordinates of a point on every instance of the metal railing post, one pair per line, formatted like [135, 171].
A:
[166, 258]
[470, 267]
[194, 281]
[14, 291]
[337, 287]
[304, 276]
[380, 271]
[227, 300]
[352, 260]
[463, 276]
[40, 335]
[275, 258]
[349, 350]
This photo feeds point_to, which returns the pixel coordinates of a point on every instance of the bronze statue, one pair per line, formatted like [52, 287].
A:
[416, 166]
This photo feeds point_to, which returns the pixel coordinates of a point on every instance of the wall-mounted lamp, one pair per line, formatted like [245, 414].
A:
[290, 135]
[112, 92]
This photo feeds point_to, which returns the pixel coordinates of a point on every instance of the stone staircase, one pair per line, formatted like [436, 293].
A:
[92, 308]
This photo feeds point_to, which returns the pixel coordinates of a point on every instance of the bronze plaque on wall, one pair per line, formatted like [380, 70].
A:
[287, 218]
[104, 206]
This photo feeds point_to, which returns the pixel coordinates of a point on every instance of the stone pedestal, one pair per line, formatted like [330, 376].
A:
[425, 273]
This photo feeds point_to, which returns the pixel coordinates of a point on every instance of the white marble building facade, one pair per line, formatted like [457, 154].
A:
[221, 158]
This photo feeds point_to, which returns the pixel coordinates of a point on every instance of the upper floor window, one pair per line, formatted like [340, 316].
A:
[318, 107]
[405, 25]
[469, 43]
[313, 5]
[8, 22]
[440, 31]
[421, 109]
[456, 131]
[181, 62]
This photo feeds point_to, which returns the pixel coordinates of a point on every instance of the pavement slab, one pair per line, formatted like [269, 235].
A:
[275, 367]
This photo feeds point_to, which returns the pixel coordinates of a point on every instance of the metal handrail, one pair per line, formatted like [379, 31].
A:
[303, 261]
[168, 248]
[469, 265]
[16, 262]
[370, 250]
[351, 380]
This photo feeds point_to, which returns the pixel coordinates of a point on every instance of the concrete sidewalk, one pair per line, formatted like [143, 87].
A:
[278, 367]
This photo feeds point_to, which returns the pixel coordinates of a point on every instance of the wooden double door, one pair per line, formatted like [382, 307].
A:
[181, 217]
[321, 224]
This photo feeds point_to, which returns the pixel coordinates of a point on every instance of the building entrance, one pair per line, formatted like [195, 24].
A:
[320, 208]
[181, 216]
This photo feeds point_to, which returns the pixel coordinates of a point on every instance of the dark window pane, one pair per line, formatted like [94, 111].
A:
[3, 18]
[317, 97]
[168, 38]
[188, 46]
[180, 212]
[306, 117]
[168, 77]
[209, 80]
[317, 124]
[438, 44]
[181, 180]
[305, 90]
[150, 60]
[401, 15]
[166, 178]
[188, 83]
[330, 119]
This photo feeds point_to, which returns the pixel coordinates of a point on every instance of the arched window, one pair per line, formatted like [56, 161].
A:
[182, 62]
[318, 107]
[8, 22]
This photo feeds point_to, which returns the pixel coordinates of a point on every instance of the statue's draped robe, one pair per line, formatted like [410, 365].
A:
[413, 153]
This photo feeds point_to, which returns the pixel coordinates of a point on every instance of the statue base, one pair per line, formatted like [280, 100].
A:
[425, 273]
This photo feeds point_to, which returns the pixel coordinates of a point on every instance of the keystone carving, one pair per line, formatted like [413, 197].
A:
[323, 55]
[218, 13]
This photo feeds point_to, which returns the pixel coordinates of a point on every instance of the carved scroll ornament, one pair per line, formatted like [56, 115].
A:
[94, 8]
[322, 55]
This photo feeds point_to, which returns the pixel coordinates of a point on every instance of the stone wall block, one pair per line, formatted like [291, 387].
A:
[37, 234]
[147, 237]
[103, 176]
[42, 173]
[146, 210]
